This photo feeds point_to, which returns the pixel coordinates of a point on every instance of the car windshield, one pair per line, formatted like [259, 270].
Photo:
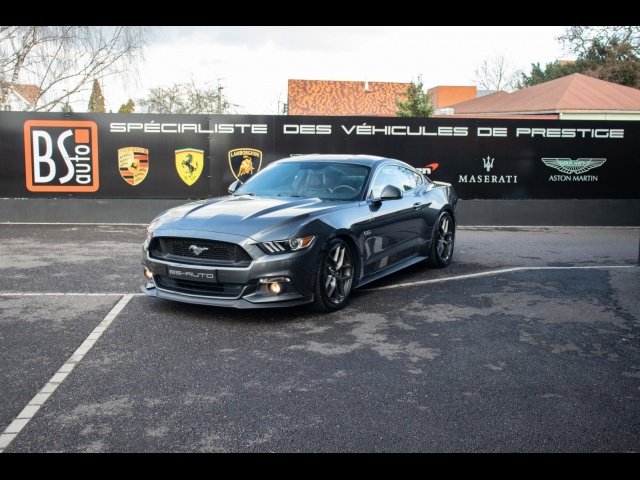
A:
[328, 181]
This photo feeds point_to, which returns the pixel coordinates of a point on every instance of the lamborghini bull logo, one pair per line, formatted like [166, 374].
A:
[246, 167]
[189, 163]
[244, 162]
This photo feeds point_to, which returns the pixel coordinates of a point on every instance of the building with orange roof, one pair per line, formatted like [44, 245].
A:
[20, 98]
[573, 97]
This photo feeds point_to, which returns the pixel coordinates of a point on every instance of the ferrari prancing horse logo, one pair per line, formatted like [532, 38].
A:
[189, 163]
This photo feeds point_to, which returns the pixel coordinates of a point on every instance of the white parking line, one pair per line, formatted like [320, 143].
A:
[11, 432]
[492, 272]
[27, 413]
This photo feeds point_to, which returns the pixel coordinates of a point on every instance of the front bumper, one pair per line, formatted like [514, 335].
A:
[285, 300]
[234, 287]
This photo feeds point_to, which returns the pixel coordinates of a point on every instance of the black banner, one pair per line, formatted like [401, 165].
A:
[58, 155]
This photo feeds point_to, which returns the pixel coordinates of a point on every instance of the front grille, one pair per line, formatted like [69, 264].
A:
[221, 290]
[183, 250]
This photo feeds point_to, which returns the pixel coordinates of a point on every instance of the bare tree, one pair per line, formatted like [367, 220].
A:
[580, 40]
[610, 53]
[496, 74]
[62, 61]
[164, 100]
[187, 98]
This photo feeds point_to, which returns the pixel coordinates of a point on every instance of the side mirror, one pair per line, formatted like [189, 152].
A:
[234, 186]
[390, 192]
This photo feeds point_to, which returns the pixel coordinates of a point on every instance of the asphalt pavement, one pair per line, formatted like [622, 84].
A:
[529, 342]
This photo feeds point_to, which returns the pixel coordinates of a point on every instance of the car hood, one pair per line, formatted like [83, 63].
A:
[247, 216]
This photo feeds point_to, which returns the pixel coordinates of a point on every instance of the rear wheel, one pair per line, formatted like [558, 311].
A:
[334, 278]
[443, 241]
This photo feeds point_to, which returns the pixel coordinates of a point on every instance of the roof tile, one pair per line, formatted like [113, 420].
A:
[329, 97]
[576, 92]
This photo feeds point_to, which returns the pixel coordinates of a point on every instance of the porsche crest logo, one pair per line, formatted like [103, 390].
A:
[133, 163]
[189, 163]
[244, 162]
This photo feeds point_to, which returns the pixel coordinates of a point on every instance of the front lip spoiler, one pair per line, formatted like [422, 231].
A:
[240, 303]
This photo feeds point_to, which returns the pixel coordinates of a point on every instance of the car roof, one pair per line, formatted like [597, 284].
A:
[361, 159]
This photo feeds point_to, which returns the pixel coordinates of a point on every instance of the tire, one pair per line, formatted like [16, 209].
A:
[334, 278]
[443, 241]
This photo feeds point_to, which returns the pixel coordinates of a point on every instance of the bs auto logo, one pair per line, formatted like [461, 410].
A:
[61, 156]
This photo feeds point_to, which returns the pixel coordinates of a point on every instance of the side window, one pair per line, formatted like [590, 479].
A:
[407, 179]
[383, 177]
[418, 179]
[395, 175]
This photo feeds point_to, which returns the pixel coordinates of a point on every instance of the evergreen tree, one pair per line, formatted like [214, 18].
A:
[96, 101]
[129, 107]
[418, 103]
[552, 71]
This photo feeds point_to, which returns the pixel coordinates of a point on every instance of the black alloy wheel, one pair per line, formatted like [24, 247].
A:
[334, 278]
[441, 250]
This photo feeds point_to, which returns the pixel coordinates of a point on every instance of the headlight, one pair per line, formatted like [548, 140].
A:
[151, 228]
[162, 218]
[289, 245]
[155, 223]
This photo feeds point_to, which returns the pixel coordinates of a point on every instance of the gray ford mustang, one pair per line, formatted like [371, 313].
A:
[305, 230]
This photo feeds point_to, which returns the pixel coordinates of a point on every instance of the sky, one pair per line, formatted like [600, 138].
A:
[253, 64]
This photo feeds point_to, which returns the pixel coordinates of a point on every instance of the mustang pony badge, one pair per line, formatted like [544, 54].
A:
[133, 163]
[244, 162]
[189, 163]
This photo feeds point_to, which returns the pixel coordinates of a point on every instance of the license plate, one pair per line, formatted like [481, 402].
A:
[193, 274]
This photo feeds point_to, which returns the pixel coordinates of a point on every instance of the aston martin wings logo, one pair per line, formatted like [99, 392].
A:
[244, 162]
[573, 167]
[189, 163]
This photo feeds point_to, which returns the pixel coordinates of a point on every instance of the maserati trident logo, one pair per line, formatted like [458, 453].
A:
[196, 250]
[488, 163]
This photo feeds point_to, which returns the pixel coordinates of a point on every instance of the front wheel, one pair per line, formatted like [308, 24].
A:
[334, 278]
[443, 241]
